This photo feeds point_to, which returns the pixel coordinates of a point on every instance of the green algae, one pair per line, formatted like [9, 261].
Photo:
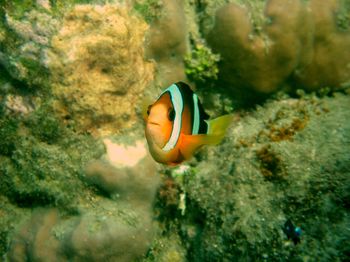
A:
[148, 9]
[45, 126]
[17, 7]
[8, 134]
[41, 159]
[39, 174]
[202, 64]
[343, 15]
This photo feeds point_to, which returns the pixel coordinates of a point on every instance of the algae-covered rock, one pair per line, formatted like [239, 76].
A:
[26, 34]
[288, 160]
[117, 226]
[90, 58]
[98, 67]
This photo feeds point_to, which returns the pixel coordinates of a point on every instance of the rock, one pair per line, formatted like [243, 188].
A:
[287, 160]
[26, 44]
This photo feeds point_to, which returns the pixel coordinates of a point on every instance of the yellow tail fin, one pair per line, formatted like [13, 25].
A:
[217, 131]
[218, 126]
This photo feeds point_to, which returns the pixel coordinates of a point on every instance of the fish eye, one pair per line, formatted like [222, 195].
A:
[148, 109]
[171, 114]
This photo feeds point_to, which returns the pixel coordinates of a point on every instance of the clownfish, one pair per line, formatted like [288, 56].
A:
[177, 125]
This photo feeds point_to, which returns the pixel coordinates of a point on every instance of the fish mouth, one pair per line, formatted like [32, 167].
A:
[154, 123]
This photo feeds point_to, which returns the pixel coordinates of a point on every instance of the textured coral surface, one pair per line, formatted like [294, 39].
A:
[102, 67]
[297, 42]
[76, 180]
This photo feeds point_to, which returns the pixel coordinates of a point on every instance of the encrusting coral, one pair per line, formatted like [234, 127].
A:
[167, 42]
[329, 64]
[70, 70]
[99, 76]
[287, 160]
[116, 226]
[24, 46]
[297, 41]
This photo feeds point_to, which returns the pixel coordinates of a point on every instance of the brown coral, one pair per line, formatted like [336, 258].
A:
[117, 227]
[297, 40]
[99, 68]
[167, 43]
[330, 62]
[35, 240]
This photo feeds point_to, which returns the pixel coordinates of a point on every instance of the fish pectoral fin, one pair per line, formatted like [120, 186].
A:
[191, 143]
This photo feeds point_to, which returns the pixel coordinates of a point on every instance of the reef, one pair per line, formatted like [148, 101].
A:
[61, 199]
[76, 180]
[286, 160]
[115, 224]
[281, 43]
[86, 81]
[91, 78]
[168, 49]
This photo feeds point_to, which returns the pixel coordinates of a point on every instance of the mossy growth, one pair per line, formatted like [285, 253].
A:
[148, 9]
[45, 126]
[18, 7]
[35, 69]
[41, 160]
[343, 15]
[8, 133]
[202, 64]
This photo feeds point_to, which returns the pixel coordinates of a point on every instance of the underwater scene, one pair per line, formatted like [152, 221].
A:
[174, 130]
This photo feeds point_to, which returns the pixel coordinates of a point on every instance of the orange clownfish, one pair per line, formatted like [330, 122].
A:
[177, 125]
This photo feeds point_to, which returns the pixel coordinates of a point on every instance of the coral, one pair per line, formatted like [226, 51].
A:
[330, 61]
[247, 188]
[122, 175]
[72, 72]
[24, 47]
[260, 61]
[167, 43]
[271, 164]
[167, 248]
[45, 125]
[35, 240]
[99, 81]
[39, 156]
[116, 226]
[287, 45]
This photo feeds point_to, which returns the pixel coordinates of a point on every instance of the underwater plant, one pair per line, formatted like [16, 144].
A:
[201, 64]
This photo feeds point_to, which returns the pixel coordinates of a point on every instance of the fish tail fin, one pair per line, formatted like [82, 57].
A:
[217, 127]
[217, 130]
